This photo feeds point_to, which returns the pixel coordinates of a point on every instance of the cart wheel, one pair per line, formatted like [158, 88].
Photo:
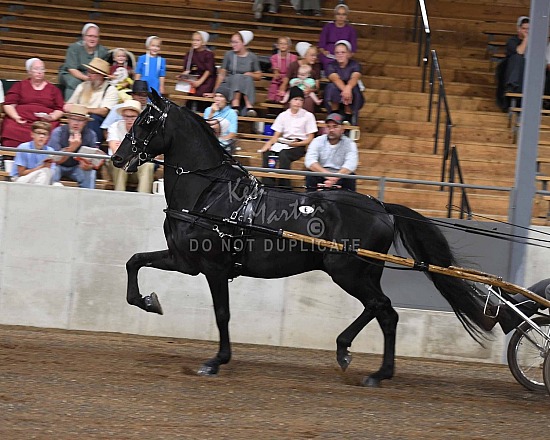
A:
[527, 352]
[546, 371]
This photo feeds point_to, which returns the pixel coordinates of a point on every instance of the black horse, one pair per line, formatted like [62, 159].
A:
[222, 222]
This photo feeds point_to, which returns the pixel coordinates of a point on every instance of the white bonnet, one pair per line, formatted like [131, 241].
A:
[204, 35]
[149, 39]
[302, 47]
[345, 43]
[88, 26]
[247, 36]
[29, 63]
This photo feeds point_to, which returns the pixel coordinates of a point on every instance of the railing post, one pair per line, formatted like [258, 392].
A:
[437, 120]
[430, 104]
[381, 188]
[416, 18]
[451, 180]
[426, 60]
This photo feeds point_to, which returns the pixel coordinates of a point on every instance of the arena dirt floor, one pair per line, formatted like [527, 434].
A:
[81, 385]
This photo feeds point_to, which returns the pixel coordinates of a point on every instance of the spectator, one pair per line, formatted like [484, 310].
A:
[121, 74]
[129, 111]
[151, 67]
[305, 82]
[334, 31]
[258, 7]
[96, 94]
[516, 47]
[34, 168]
[308, 55]
[199, 67]
[70, 138]
[293, 131]
[223, 119]
[33, 99]
[78, 55]
[240, 67]
[139, 93]
[343, 90]
[280, 63]
[310, 7]
[332, 153]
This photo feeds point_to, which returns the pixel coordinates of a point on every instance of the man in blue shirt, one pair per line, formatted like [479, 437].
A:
[37, 169]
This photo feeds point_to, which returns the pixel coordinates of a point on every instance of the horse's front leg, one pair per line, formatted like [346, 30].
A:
[157, 260]
[220, 296]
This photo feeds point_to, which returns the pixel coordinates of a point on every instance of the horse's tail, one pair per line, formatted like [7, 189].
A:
[426, 243]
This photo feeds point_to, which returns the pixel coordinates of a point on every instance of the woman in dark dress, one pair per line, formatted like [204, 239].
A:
[343, 90]
[199, 63]
[30, 100]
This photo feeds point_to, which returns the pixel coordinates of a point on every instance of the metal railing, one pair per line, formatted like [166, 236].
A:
[423, 34]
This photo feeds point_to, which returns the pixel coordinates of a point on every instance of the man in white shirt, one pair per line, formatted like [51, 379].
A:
[293, 130]
[332, 153]
[116, 132]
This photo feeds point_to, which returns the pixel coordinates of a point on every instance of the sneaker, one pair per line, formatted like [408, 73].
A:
[272, 10]
[250, 112]
[57, 184]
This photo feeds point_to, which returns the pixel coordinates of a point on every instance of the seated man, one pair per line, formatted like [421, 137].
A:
[129, 111]
[33, 168]
[332, 153]
[293, 130]
[70, 138]
[516, 47]
[96, 94]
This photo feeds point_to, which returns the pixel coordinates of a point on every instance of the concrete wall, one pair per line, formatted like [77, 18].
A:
[62, 258]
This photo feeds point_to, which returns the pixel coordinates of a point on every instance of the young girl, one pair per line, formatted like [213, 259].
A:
[304, 82]
[121, 73]
[279, 65]
[151, 67]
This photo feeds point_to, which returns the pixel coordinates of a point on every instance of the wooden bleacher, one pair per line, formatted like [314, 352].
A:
[393, 121]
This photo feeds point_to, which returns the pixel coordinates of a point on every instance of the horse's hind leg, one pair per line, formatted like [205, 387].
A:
[157, 260]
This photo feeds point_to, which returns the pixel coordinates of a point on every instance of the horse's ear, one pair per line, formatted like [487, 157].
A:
[154, 96]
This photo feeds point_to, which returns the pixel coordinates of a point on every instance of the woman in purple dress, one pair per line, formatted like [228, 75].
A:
[199, 69]
[344, 74]
[334, 31]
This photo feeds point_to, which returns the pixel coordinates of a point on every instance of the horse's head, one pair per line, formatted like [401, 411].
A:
[145, 140]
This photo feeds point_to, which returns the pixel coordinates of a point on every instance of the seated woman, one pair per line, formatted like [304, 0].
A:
[334, 31]
[239, 69]
[223, 120]
[294, 129]
[33, 99]
[343, 90]
[199, 69]
[308, 56]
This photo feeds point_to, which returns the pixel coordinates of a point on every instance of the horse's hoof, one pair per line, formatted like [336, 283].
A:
[152, 304]
[344, 361]
[207, 370]
[371, 382]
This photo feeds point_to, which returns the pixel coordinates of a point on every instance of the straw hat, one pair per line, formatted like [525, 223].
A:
[99, 66]
[204, 35]
[78, 110]
[302, 47]
[247, 36]
[130, 104]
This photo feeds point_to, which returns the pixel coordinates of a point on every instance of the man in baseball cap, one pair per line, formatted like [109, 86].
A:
[332, 152]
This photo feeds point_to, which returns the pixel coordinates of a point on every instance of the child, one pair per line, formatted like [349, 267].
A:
[279, 65]
[121, 73]
[151, 67]
[304, 81]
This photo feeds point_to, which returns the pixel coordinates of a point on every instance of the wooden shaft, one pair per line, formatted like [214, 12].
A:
[452, 271]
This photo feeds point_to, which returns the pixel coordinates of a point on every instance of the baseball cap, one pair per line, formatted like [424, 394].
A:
[335, 117]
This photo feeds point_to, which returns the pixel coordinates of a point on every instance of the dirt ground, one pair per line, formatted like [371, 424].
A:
[80, 385]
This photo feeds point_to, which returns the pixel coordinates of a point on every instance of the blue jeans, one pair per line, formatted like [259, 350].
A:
[85, 179]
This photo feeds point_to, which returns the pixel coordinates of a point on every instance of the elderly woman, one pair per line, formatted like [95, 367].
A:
[343, 90]
[334, 31]
[308, 56]
[199, 69]
[33, 99]
[240, 68]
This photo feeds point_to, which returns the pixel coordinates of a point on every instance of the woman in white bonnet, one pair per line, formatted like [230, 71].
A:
[308, 55]
[199, 68]
[240, 68]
